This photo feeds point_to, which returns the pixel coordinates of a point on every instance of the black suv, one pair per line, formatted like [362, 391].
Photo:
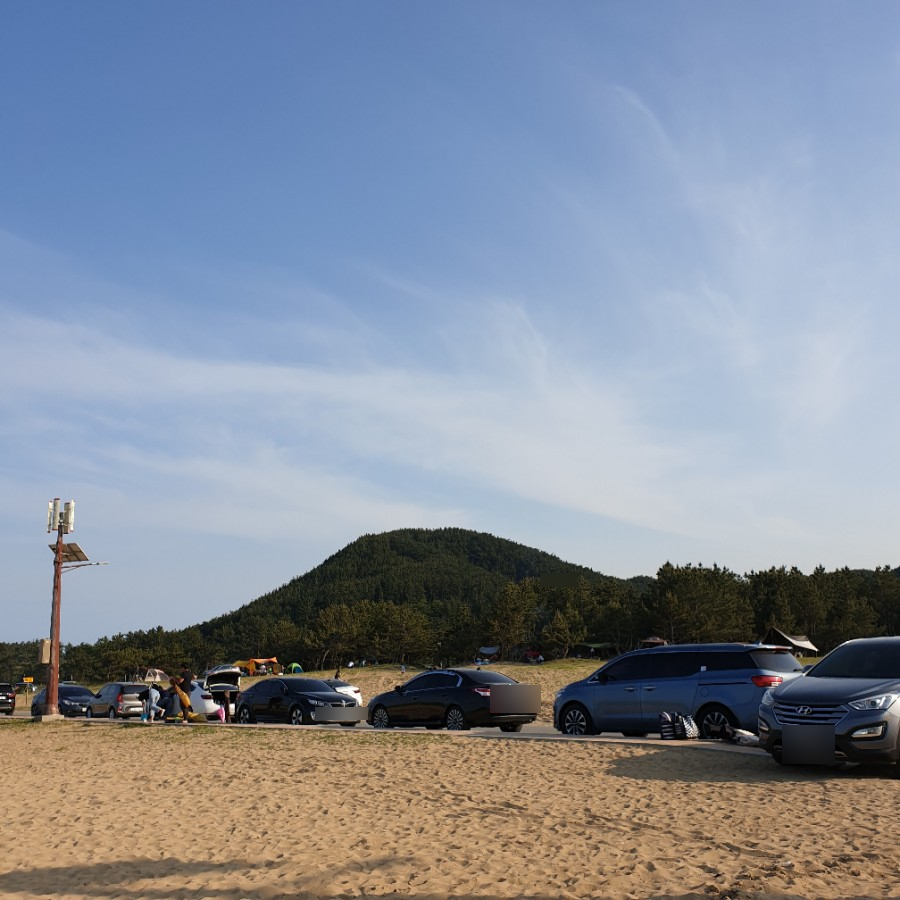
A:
[7, 698]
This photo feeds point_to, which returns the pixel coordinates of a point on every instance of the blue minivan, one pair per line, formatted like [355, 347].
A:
[716, 684]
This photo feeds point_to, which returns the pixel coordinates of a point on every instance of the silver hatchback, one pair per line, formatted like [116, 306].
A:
[117, 700]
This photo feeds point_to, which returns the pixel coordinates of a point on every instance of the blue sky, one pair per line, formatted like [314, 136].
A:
[612, 280]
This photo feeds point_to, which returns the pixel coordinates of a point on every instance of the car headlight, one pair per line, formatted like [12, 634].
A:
[881, 701]
[768, 698]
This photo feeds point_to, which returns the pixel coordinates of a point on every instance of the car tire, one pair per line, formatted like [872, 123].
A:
[510, 729]
[455, 720]
[576, 721]
[112, 713]
[244, 716]
[381, 718]
[295, 716]
[714, 716]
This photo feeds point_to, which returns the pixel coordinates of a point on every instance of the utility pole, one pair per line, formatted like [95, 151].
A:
[62, 522]
[65, 557]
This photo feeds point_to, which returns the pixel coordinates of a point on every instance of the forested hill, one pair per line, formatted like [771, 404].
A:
[433, 569]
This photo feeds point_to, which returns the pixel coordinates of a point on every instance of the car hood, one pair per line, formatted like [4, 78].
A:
[832, 690]
[327, 697]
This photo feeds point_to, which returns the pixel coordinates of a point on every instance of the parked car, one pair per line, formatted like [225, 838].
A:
[845, 708]
[344, 687]
[7, 698]
[72, 700]
[117, 700]
[295, 700]
[716, 684]
[455, 699]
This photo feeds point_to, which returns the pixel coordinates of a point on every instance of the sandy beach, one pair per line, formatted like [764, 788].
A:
[101, 810]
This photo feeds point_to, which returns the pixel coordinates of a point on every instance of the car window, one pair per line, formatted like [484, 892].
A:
[308, 684]
[726, 661]
[424, 683]
[875, 661]
[632, 668]
[446, 680]
[672, 665]
[776, 660]
[484, 677]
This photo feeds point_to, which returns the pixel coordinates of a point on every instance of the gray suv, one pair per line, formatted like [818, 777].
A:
[845, 708]
[716, 684]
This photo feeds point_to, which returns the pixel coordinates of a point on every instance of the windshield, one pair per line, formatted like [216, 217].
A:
[880, 662]
[490, 678]
[776, 660]
[315, 685]
[73, 692]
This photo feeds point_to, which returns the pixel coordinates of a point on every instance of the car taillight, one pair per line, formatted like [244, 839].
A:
[482, 691]
[118, 698]
[766, 681]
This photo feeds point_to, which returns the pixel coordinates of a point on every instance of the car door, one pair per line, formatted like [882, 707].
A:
[616, 700]
[439, 698]
[100, 704]
[263, 700]
[669, 685]
[410, 707]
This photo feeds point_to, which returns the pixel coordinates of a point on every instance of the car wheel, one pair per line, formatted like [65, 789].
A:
[112, 712]
[510, 728]
[634, 733]
[454, 720]
[380, 718]
[244, 716]
[575, 720]
[712, 719]
[34, 712]
[295, 716]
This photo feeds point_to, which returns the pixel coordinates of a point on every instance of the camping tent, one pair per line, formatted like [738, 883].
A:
[156, 676]
[797, 642]
[293, 668]
[251, 665]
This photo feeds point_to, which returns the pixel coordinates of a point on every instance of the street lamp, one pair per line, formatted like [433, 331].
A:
[66, 556]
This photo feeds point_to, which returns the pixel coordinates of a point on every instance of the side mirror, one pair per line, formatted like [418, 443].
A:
[399, 688]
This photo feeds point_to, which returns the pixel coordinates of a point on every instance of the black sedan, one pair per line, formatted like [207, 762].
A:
[455, 699]
[72, 700]
[297, 701]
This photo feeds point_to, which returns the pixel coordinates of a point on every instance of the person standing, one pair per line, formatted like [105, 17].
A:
[153, 706]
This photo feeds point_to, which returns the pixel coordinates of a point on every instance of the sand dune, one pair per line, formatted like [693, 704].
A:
[167, 811]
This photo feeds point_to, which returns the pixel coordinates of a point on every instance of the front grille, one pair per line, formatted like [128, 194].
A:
[809, 714]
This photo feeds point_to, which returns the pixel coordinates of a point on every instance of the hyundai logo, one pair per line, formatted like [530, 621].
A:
[804, 710]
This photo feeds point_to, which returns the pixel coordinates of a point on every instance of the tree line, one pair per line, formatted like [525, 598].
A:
[682, 604]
